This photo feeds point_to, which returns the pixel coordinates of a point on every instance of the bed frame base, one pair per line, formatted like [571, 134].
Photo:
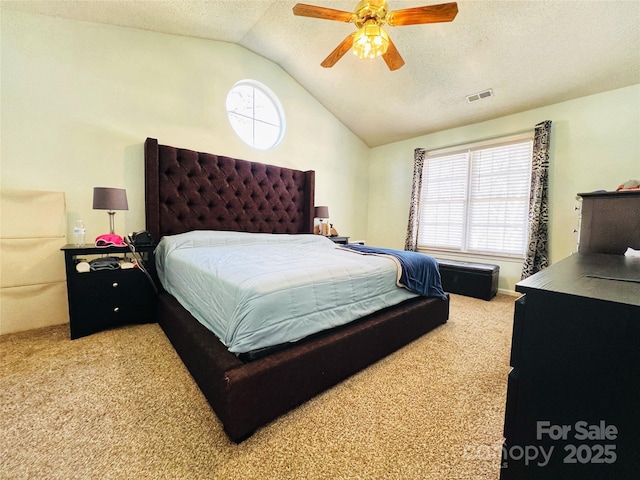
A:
[246, 396]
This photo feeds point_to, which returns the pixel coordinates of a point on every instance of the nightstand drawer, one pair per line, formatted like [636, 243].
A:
[115, 284]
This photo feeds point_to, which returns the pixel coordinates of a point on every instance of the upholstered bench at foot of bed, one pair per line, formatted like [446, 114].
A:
[246, 396]
[479, 280]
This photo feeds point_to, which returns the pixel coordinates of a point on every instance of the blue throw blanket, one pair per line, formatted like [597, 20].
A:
[419, 272]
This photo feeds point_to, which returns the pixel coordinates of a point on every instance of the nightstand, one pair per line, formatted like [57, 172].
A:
[99, 300]
[340, 240]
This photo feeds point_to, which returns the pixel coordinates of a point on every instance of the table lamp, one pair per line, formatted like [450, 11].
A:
[110, 199]
[322, 213]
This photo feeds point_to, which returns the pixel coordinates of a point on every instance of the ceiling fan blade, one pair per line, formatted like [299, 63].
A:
[392, 58]
[339, 52]
[304, 10]
[444, 12]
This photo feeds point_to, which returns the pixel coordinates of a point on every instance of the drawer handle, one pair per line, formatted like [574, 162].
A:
[115, 284]
[117, 309]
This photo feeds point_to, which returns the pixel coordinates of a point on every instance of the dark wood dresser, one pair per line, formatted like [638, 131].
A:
[573, 401]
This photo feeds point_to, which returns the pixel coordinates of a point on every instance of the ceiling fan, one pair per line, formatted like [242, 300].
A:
[371, 41]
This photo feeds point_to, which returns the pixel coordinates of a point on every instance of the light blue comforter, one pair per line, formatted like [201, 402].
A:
[258, 290]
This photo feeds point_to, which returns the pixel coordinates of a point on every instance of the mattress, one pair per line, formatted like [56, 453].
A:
[255, 291]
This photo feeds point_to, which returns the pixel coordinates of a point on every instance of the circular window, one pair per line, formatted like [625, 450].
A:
[256, 115]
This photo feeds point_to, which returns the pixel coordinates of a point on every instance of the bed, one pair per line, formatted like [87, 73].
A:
[187, 191]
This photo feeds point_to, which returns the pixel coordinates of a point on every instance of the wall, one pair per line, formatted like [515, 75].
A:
[79, 99]
[595, 144]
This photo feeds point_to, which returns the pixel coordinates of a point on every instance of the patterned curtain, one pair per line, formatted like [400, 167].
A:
[537, 255]
[411, 242]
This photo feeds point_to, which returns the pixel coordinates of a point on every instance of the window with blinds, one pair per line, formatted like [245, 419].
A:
[476, 198]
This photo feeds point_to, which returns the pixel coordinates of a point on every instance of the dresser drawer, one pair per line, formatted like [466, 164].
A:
[511, 404]
[518, 327]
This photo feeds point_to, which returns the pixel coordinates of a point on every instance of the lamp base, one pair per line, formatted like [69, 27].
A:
[112, 215]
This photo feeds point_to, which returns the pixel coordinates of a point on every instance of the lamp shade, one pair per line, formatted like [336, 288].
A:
[105, 198]
[321, 212]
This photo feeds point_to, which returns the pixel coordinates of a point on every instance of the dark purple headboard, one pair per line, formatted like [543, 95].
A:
[187, 190]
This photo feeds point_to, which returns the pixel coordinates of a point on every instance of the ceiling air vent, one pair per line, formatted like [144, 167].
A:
[479, 96]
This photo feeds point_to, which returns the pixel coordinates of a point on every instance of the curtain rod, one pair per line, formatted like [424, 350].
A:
[475, 143]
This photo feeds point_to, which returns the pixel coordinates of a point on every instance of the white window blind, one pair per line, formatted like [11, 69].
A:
[475, 199]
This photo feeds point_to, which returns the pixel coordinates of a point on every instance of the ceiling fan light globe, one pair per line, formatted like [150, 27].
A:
[371, 41]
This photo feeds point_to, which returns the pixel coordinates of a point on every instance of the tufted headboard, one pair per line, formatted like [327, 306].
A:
[187, 190]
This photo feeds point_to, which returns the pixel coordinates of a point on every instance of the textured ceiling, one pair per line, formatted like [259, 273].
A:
[530, 52]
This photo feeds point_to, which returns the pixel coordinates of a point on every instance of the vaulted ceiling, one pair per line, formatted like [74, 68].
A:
[531, 53]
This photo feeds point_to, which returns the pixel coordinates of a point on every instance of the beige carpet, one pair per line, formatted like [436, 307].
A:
[120, 404]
